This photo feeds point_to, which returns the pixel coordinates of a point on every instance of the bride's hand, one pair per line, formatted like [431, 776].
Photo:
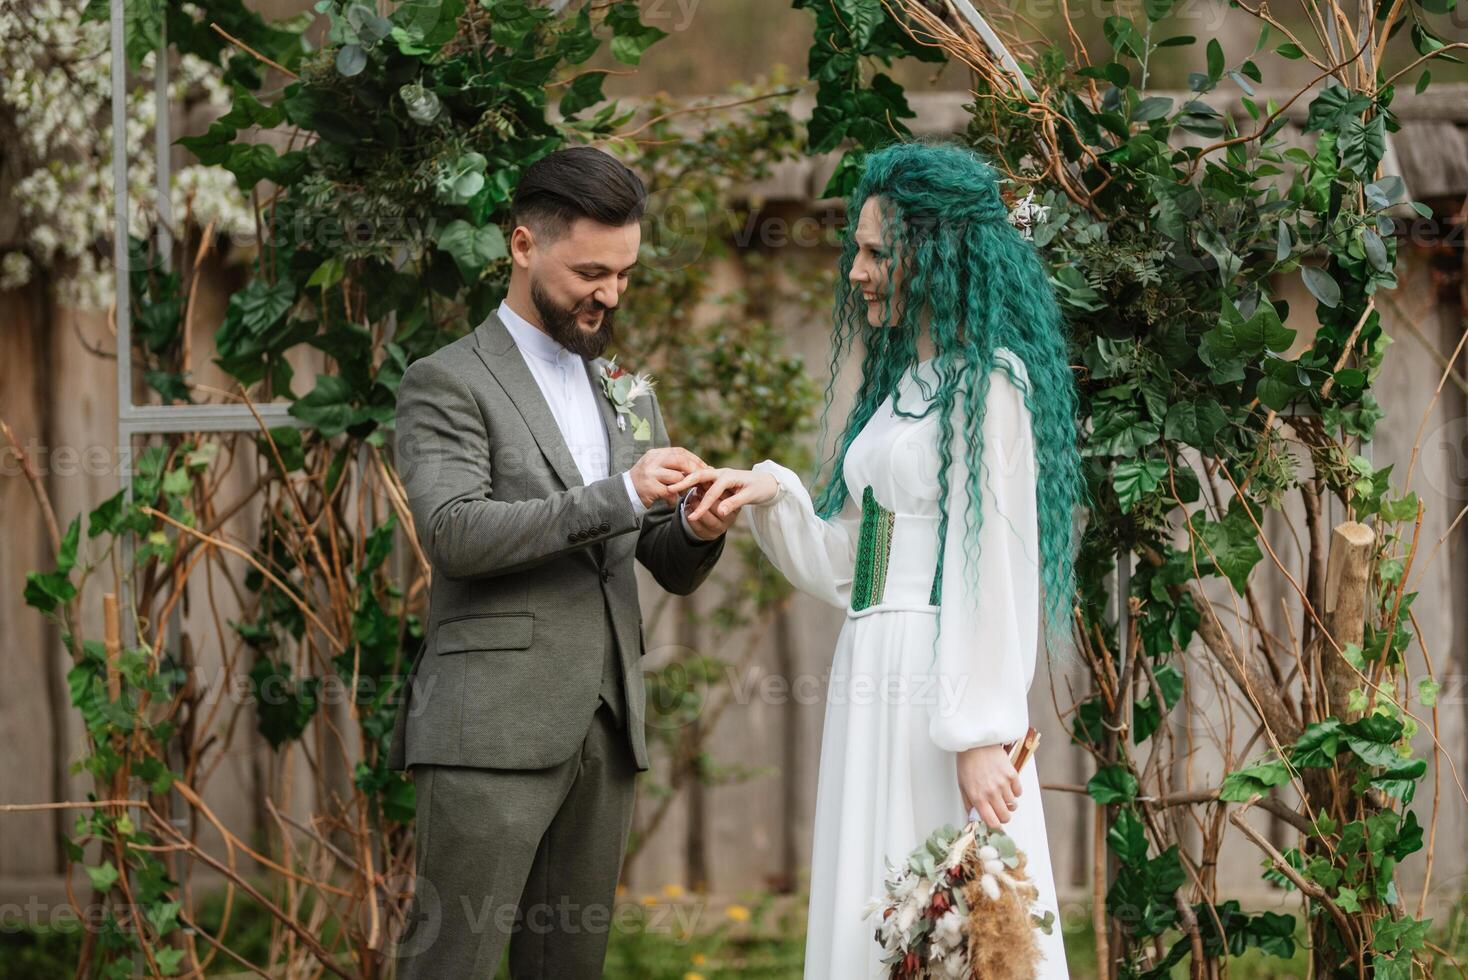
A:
[989, 783]
[727, 490]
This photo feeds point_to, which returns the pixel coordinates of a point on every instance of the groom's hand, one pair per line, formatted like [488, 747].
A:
[659, 470]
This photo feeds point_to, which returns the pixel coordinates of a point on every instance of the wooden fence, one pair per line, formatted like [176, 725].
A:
[57, 392]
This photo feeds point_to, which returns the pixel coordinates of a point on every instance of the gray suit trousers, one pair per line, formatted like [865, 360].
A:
[524, 857]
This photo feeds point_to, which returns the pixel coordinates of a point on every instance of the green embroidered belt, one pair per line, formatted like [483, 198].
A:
[874, 556]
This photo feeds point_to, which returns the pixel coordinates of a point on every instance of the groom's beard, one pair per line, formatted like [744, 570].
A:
[563, 326]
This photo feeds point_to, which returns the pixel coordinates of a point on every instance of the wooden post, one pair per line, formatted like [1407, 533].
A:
[1347, 576]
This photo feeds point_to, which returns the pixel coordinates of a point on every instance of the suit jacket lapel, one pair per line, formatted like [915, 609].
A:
[616, 440]
[496, 348]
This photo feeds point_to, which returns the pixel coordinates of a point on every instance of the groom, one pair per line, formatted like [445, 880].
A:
[522, 720]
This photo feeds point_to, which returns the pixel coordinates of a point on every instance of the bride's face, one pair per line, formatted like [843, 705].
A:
[873, 271]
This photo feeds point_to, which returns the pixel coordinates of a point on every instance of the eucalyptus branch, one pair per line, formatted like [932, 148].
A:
[1263, 127]
[684, 110]
[1453, 46]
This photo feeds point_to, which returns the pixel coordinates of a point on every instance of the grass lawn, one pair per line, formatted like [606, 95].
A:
[670, 937]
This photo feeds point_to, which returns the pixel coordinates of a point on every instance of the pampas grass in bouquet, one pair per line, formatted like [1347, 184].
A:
[962, 907]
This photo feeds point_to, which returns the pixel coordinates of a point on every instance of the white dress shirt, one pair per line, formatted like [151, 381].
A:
[561, 375]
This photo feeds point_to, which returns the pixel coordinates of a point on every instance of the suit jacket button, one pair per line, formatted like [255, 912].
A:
[606, 573]
[605, 527]
[572, 538]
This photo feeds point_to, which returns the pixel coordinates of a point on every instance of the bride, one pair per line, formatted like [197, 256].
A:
[930, 533]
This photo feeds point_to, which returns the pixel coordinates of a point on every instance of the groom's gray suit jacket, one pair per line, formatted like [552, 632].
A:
[532, 569]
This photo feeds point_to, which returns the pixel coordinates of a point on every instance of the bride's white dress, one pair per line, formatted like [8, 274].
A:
[895, 717]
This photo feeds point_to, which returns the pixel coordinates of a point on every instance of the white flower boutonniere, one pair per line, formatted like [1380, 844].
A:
[622, 390]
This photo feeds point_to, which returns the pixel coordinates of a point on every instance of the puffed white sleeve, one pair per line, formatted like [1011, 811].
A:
[816, 555]
[988, 638]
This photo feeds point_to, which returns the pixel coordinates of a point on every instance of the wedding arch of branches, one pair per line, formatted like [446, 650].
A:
[1175, 225]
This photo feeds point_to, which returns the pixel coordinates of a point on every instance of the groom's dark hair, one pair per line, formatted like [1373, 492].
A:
[577, 182]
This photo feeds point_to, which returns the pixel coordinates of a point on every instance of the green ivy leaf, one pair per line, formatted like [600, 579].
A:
[103, 876]
[472, 248]
[327, 407]
[1363, 144]
[1128, 838]
[328, 273]
[1113, 784]
[169, 958]
[164, 916]
[1333, 107]
[862, 18]
[630, 37]
[1134, 479]
[1255, 780]
[583, 93]
[1317, 745]
[1236, 336]
[1229, 546]
[47, 590]
[1400, 778]
[283, 705]
[1373, 739]
[142, 29]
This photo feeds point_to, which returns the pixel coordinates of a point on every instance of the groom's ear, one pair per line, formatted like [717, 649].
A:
[522, 241]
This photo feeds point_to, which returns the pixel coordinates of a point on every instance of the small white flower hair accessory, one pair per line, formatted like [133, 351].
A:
[1026, 214]
[622, 390]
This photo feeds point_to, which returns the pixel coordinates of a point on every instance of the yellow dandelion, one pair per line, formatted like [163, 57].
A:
[692, 976]
[738, 913]
[649, 900]
[698, 959]
[673, 891]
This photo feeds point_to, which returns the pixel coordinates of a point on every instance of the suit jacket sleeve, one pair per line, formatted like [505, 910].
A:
[446, 459]
[678, 561]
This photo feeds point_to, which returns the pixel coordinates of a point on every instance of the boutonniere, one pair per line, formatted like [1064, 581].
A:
[622, 388]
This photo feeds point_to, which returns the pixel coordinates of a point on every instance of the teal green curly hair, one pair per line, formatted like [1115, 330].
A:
[982, 286]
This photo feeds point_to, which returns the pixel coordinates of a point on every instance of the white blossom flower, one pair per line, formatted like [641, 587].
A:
[948, 930]
[1026, 214]
[55, 83]
[15, 270]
